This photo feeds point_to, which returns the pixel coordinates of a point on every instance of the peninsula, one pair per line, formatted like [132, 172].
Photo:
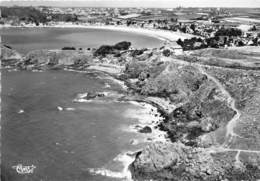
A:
[210, 108]
[204, 81]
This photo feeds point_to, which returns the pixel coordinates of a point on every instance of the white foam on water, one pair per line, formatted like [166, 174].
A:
[98, 99]
[72, 70]
[129, 129]
[125, 174]
[134, 103]
[147, 115]
[20, 111]
[105, 172]
[134, 142]
[70, 109]
[119, 82]
[107, 85]
[59, 108]
[81, 100]
[12, 70]
[82, 95]
[37, 70]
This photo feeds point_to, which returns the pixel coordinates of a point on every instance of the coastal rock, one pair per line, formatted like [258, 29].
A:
[145, 129]
[199, 118]
[134, 142]
[55, 58]
[176, 162]
[153, 159]
[93, 95]
[9, 57]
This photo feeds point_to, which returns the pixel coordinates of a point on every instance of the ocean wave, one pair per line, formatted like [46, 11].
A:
[34, 70]
[126, 159]
[82, 100]
[70, 109]
[60, 108]
[105, 95]
[67, 108]
[119, 82]
[146, 115]
[82, 95]
[20, 111]
[107, 85]
[72, 70]
[12, 70]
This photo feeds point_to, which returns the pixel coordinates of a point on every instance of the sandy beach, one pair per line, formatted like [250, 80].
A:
[164, 35]
[160, 34]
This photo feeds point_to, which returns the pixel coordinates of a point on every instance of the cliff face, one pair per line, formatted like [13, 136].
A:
[213, 127]
[201, 105]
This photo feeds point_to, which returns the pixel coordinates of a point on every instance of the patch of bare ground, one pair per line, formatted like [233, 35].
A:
[243, 87]
[247, 58]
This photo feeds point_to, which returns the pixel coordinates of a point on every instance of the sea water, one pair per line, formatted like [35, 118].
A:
[27, 39]
[44, 128]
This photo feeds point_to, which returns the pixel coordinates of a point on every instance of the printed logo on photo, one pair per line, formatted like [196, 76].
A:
[20, 169]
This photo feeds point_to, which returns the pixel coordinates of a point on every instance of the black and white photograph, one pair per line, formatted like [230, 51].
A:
[130, 90]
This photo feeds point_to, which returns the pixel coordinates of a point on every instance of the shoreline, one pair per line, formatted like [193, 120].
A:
[157, 113]
[148, 116]
[150, 108]
[153, 109]
[164, 35]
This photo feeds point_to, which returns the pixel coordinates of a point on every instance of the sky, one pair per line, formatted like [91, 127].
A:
[135, 3]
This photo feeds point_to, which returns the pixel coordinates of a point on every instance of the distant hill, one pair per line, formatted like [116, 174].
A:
[24, 13]
[33, 15]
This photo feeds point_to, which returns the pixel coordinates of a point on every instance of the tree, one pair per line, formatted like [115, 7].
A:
[68, 48]
[124, 45]
[28, 14]
[104, 50]
[253, 28]
[166, 52]
[229, 32]
[111, 49]
[240, 43]
[192, 26]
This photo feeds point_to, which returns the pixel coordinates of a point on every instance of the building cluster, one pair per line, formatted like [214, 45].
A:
[205, 23]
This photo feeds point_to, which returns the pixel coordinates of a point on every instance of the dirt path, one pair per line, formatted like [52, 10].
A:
[230, 134]
[231, 102]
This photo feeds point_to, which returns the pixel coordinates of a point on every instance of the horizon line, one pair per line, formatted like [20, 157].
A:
[136, 3]
[228, 7]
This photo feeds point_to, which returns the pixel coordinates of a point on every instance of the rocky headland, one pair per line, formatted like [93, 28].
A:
[209, 99]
